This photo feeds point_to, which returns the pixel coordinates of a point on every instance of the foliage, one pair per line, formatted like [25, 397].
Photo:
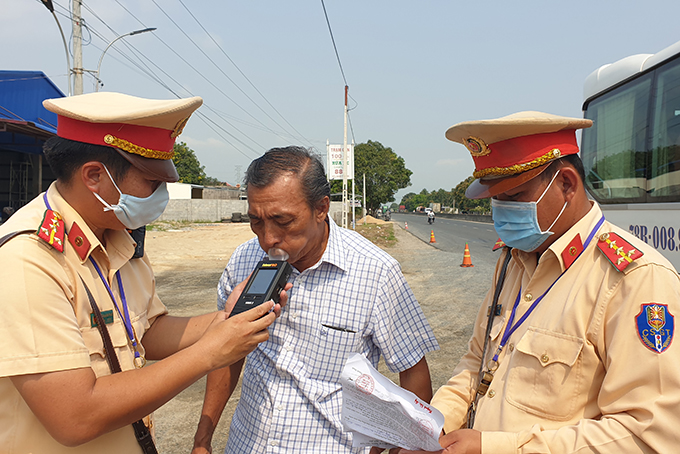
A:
[385, 172]
[469, 205]
[211, 181]
[189, 168]
[454, 198]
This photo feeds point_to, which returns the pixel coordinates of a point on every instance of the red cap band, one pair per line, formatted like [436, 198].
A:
[516, 155]
[143, 140]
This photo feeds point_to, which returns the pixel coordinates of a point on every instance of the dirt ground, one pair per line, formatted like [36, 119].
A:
[188, 262]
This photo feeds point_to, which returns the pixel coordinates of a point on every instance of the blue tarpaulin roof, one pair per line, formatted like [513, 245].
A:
[23, 119]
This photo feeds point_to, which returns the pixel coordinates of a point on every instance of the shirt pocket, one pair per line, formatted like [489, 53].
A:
[545, 374]
[93, 340]
[326, 357]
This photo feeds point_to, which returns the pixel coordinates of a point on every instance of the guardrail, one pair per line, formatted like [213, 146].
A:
[461, 217]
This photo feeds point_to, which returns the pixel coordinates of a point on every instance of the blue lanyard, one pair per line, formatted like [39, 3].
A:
[510, 328]
[126, 318]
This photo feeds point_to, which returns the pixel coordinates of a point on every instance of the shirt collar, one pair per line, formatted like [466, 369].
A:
[120, 246]
[334, 253]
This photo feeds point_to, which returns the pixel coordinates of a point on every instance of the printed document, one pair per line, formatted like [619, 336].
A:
[380, 413]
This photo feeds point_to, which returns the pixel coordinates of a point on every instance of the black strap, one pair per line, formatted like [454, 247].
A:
[11, 235]
[472, 409]
[142, 433]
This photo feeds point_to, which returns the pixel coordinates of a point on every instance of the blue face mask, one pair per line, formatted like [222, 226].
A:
[134, 212]
[517, 222]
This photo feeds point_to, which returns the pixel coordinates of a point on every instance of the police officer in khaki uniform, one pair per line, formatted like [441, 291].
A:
[112, 159]
[579, 354]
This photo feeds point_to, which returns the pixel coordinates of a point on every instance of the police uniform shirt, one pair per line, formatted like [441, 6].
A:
[46, 322]
[583, 373]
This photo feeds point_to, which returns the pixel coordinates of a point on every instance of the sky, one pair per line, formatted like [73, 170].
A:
[269, 75]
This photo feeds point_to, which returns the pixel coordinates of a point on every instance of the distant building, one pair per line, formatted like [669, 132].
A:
[25, 125]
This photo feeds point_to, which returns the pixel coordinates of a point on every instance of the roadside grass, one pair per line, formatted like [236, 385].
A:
[380, 235]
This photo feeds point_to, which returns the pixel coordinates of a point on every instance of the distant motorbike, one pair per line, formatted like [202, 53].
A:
[387, 216]
[430, 220]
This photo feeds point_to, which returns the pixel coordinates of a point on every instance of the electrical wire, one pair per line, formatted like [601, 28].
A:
[244, 76]
[333, 39]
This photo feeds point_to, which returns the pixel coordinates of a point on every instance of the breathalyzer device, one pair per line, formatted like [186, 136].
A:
[266, 283]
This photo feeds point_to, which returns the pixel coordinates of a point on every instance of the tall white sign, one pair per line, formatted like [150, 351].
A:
[334, 162]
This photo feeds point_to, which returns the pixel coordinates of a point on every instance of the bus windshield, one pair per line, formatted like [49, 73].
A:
[632, 152]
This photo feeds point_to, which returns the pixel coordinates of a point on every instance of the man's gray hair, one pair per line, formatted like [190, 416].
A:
[307, 166]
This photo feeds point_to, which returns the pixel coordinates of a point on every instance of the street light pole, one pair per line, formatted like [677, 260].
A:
[50, 7]
[99, 65]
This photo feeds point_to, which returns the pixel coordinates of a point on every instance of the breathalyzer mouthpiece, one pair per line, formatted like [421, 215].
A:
[277, 254]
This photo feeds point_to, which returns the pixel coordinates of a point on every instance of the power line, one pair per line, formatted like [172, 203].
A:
[333, 39]
[244, 76]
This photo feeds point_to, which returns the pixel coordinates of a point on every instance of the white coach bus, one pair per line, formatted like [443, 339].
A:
[632, 153]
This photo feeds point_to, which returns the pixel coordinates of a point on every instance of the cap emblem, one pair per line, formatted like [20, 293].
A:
[136, 149]
[476, 146]
[179, 127]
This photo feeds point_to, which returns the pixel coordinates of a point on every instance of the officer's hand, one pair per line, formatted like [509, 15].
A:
[464, 441]
[227, 340]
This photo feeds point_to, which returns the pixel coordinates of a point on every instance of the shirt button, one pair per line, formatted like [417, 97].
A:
[294, 315]
[511, 347]
[279, 407]
[288, 348]
[528, 297]
[274, 443]
[545, 358]
[492, 393]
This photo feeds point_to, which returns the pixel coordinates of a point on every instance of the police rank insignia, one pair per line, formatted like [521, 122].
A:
[618, 251]
[52, 230]
[655, 326]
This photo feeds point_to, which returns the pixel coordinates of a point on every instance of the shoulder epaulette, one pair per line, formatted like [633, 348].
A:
[618, 251]
[52, 230]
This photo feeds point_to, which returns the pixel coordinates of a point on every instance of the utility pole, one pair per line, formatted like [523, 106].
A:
[344, 168]
[354, 198]
[363, 202]
[77, 49]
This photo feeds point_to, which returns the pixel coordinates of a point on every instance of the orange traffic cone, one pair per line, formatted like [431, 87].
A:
[406, 225]
[432, 240]
[467, 261]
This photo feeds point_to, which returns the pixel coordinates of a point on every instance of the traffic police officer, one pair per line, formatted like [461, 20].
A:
[576, 353]
[112, 159]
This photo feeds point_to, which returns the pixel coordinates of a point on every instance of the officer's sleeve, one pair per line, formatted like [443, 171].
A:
[640, 393]
[39, 331]
[400, 328]
[453, 399]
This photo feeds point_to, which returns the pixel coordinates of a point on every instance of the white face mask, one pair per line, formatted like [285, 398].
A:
[134, 212]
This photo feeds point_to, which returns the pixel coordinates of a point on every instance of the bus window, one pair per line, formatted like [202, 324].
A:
[613, 150]
[664, 183]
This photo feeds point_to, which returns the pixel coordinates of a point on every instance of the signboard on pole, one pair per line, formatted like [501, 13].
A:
[335, 165]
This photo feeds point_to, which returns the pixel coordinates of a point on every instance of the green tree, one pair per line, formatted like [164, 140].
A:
[385, 172]
[469, 205]
[211, 181]
[413, 200]
[189, 168]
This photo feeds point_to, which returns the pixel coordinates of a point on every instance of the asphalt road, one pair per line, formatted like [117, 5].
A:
[451, 235]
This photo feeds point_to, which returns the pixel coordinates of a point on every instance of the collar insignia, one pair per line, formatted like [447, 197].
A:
[572, 251]
[79, 241]
[618, 251]
[655, 326]
[52, 231]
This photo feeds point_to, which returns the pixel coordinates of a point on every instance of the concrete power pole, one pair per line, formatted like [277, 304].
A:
[344, 168]
[77, 49]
